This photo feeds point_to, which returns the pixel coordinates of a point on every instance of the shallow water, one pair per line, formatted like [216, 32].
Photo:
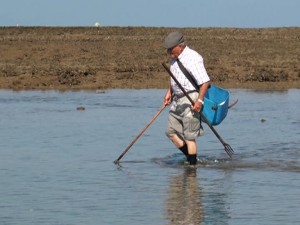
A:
[56, 162]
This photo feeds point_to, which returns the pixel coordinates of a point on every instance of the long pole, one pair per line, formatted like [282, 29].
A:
[228, 148]
[139, 135]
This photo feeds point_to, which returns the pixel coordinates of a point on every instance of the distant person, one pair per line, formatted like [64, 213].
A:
[184, 124]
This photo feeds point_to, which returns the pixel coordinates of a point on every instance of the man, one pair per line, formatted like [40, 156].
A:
[184, 124]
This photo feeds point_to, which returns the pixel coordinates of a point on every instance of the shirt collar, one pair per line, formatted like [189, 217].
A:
[183, 53]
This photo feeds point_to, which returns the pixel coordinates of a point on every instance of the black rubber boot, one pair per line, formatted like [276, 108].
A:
[192, 159]
[184, 150]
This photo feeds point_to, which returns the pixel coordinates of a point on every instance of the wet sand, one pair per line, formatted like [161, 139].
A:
[82, 58]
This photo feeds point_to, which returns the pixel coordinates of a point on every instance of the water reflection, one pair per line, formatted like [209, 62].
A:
[183, 205]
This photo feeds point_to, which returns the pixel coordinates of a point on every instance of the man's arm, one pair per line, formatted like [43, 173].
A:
[202, 92]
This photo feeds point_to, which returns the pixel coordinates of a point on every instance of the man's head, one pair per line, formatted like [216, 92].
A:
[174, 43]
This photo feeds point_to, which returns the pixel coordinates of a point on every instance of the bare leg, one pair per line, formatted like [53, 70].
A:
[192, 147]
[192, 152]
[188, 148]
[178, 142]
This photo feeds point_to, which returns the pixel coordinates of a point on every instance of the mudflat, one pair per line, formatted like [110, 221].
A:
[78, 58]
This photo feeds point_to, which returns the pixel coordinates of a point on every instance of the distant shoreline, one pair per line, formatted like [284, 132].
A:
[86, 58]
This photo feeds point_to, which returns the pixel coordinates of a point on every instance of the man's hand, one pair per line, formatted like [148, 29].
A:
[197, 106]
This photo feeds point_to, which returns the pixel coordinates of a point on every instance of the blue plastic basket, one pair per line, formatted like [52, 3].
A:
[215, 106]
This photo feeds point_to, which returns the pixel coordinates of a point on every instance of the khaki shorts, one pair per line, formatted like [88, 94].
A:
[183, 121]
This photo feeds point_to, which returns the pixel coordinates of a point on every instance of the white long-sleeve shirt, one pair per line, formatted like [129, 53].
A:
[193, 62]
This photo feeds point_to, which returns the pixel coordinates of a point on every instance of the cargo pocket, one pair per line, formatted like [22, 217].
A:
[194, 125]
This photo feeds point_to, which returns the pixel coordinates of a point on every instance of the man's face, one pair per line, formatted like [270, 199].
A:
[175, 51]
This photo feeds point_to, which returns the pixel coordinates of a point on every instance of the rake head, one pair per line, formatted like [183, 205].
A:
[228, 150]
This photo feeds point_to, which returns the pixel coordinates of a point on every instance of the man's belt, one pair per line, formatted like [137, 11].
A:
[182, 94]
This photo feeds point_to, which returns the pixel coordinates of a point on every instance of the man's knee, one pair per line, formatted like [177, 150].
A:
[176, 139]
